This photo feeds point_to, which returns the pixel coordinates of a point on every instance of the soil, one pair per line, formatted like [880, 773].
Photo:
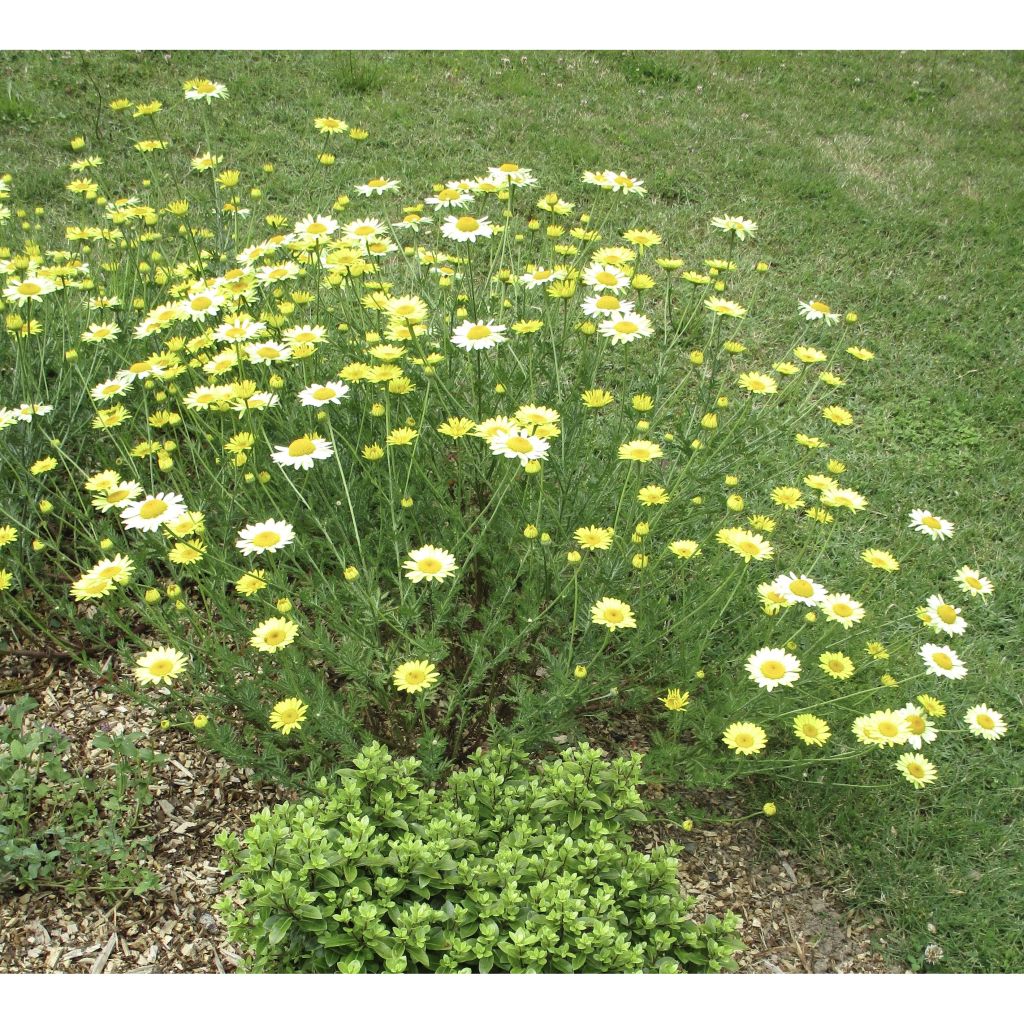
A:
[793, 916]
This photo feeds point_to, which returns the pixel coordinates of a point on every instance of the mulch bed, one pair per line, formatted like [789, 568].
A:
[793, 916]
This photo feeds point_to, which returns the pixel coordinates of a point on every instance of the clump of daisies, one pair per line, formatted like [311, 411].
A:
[424, 461]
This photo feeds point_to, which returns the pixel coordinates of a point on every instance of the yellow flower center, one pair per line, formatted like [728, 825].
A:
[607, 302]
[810, 730]
[377, 182]
[202, 302]
[429, 565]
[316, 228]
[119, 495]
[607, 277]
[917, 724]
[268, 352]
[843, 610]
[947, 613]
[985, 722]
[943, 660]
[478, 332]
[820, 307]
[322, 394]
[613, 615]
[915, 769]
[448, 194]
[365, 229]
[748, 547]
[520, 445]
[773, 669]
[467, 224]
[626, 327]
[266, 538]
[273, 636]
[301, 446]
[888, 729]
[161, 666]
[837, 665]
[973, 582]
[801, 588]
[508, 168]
[29, 288]
[152, 508]
[621, 179]
[743, 739]
[931, 522]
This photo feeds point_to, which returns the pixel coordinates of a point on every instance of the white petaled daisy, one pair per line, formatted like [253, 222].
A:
[511, 174]
[110, 389]
[818, 310]
[739, 226]
[984, 722]
[364, 230]
[931, 526]
[273, 273]
[541, 276]
[842, 608]
[153, 511]
[315, 227]
[271, 535]
[920, 728]
[844, 497]
[466, 228]
[942, 661]
[303, 452]
[429, 563]
[240, 328]
[377, 186]
[605, 304]
[773, 666]
[159, 664]
[117, 496]
[622, 182]
[519, 444]
[622, 327]
[472, 336]
[604, 278]
[972, 582]
[799, 589]
[201, 305]
[32, 287]
[450, 196]
[267, 352]
[323, 394]
[944, 617]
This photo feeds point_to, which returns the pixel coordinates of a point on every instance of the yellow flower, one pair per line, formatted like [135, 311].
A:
[674, 700]
[251, 582]
[745, 738]
[917, 770]
[413, 676]
[652, 494]
[613, 614]
[597, 398]
[594, 538]
[273, 634]
[287, 715]
[640, 451]
[836, 665]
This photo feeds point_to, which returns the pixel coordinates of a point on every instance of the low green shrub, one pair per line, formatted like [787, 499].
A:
[507, 869]
[61, 829]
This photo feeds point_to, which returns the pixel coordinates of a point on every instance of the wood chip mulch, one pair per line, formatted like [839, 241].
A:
[793, 921]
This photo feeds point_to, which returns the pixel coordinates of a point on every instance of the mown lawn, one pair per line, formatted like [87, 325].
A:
[885, 183]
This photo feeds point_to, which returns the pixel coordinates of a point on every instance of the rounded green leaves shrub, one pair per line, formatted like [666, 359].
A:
[506, 869]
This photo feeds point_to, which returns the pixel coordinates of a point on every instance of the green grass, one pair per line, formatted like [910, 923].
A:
[885, 183]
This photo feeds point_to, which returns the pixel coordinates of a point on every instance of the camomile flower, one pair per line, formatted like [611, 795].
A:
[262, 352]
[725, 307]
[842, 608]
[788, 497]
[153, 511]
[450, 196]
[413, 676]
[932, 705]
[303, 452]
[942, 661]
[377, 186]
[652, 494]
[118, 569]
[602, 278]
[605, 303]
[758, 383]
[613, 614]
[91, 588]
[818, 310]
[921, 731]
[984, 722]
[838, 415]
[110, 389]
[773, 666]
[836, 665]
[519, 444]
[456, 427]
[473, 336]
[251, 582]
[429, 563]
[287, 715]
[772, 600]
[159, 665]
[204, 89]
[316, 227]
[917, 770]
[466, 228]
[622, 182]
[273, 634]
[684, 548]
[749, 546]
[811, 730]
[931, 526]
[943, 617]
[844, 497]
[809, 354]
[539, 276]
[738, 226]
[972, 582]
[800, 589]
[268, 536]
[594, 538]
[317, 395]
[745, 738]
[597, 398]
[884, 728]
[879, 559]
[623, 327]
[407, 308]
[640, 450]
[201, 305]
[676, 700]
[117, 496]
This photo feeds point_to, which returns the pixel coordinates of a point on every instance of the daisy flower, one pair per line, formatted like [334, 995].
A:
[287, 715]
[613, 614]
[158, 665]
[972, 582]
[943, 617]
[377, 186]
[315, 227]
[773, 666]
[725, 307]
[594, 538]
[472, 336]
[942, 661]
[984, 722]
[273, 634]
[204, 89]
[745, 738]
[429, 563]
[466, 228]
[931, 526]
[842, 608]
[917, 770]
[879, 559]
[519, 444]
[738, 226]
[920, 729]
[811, 730]
[317, 395]
[270, 535]
[153, 511]
[800, 589]
[622, 327]
[413, 676]
[759, 384]
[605, 278]
[818, 310]
[303, 452]
[684, 548]
[745, 544]
[640, 451]
[605, 303]
[836, 665]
